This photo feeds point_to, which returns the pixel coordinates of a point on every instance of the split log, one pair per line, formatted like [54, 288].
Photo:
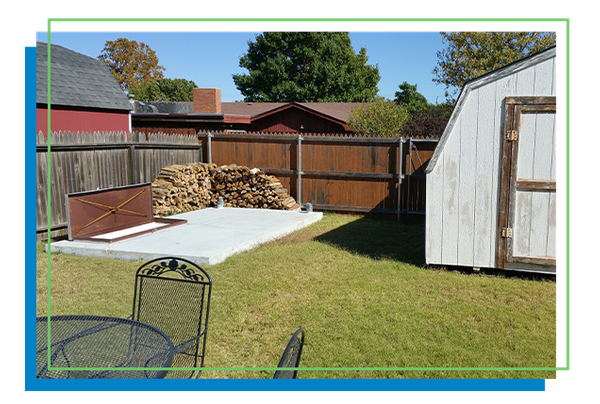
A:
[180, 188]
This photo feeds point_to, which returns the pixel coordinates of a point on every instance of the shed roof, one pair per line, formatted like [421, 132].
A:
[76, 80]
[481, 81]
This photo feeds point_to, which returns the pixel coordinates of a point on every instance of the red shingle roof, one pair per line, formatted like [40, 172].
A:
[336, 110]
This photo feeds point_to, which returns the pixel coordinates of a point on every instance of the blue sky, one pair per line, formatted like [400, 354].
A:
[210, 59]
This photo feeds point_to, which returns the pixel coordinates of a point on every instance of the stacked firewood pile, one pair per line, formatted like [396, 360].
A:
[240, 186]
[180, 188]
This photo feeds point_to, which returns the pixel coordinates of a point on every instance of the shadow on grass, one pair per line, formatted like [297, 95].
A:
[382, 237]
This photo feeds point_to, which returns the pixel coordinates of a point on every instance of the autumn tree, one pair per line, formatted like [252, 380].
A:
[306, 67]
[131, 63]
[428, 124]
[468, 55]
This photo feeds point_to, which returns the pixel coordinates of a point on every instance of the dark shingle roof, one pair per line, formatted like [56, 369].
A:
[77, 80]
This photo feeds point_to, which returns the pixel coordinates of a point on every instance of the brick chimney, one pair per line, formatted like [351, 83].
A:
[207, 100]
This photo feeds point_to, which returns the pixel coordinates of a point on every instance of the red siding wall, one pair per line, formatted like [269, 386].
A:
[82, 120]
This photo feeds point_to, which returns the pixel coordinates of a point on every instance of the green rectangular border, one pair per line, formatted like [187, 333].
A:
[54, 22]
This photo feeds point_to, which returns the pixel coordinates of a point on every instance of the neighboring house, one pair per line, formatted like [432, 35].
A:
[311, 117]
[207, 112]
[85, 97]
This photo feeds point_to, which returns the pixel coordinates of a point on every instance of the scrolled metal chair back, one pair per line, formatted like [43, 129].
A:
[173, 294]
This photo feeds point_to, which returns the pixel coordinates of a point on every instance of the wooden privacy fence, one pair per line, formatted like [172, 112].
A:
[338, 173]
[88, 161]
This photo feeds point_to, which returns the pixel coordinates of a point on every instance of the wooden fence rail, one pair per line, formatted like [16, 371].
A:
[339, 173]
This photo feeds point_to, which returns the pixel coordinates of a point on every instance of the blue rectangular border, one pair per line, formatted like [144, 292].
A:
[292, 385]
[30, 212]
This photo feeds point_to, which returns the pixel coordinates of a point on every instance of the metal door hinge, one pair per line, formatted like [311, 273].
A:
[506, 232]
[512, 135]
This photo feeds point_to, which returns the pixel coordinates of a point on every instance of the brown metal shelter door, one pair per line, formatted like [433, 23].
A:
[527, 205]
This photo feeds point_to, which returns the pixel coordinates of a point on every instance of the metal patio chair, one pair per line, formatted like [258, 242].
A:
[291, 356]
[173, 295]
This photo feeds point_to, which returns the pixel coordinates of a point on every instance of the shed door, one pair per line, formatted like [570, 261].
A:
[527, 216]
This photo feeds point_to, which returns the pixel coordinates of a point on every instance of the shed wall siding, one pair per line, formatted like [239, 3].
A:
[462, 188]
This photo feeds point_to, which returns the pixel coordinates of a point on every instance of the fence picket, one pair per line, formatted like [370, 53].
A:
[87, 161]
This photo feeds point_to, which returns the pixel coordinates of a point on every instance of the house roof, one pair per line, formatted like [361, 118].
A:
[247, 112]
[76, 80]
[337, 110]
[249, 108]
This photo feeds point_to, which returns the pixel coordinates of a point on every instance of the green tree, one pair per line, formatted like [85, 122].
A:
[468, 55]
[409, 98]
[131, 63]
[425, 120]
[165, 90]
[380, 118]
[306, 67]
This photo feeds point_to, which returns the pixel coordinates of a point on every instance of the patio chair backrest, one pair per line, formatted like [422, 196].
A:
[291, 356]
[173, 294]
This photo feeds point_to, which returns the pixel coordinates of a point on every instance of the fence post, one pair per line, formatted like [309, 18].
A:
[410, 146]
[132, 165]
[201, 149]
[208, 136]
[400, 142]
[299, 198]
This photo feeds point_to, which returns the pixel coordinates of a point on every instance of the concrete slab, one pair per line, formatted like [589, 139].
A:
[209, 237]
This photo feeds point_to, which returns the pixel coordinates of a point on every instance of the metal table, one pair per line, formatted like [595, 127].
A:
[101, 342]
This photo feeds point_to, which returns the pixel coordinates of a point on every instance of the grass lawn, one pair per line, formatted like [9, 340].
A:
[359, 288]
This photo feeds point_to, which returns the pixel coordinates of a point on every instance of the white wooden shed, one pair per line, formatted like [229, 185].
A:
[491, 182]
